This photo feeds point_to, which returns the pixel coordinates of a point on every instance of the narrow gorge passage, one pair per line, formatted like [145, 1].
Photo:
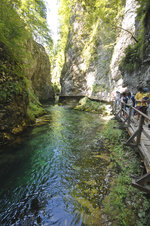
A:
[58, 174]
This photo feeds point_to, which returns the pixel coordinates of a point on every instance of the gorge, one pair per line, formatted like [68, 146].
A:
[59, 165]
[105, 51]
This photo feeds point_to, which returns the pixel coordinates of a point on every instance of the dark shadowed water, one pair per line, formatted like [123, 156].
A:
[57, 174]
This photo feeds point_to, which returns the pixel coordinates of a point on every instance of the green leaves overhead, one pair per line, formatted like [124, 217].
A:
[33, 13]
[12, 32]
[19, 20]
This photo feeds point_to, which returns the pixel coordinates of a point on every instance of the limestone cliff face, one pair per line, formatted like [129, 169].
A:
[73, 80]
[87, 59]
[92, 58]
[38, 72]
[125, 38]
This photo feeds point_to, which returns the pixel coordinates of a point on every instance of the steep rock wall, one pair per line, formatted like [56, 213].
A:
[92, 57]
[38, 72]
[141, 74]
[125, 38]
[87, 58]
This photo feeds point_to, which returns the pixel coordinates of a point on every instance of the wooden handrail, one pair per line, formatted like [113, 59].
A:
[139, 137]
[127, 121]
[140, 112]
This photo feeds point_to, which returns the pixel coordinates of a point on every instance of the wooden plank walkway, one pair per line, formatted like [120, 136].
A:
[139, 137]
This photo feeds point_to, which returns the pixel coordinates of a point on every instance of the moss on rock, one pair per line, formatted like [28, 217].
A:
[85, 104]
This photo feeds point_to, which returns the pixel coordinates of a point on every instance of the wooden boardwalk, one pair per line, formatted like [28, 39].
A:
[139, 137]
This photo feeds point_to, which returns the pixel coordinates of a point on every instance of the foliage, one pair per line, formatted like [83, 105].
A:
[144, 7]
[13, 34]
[132, 60]
[58, 57]
[19, 22]
[33, 13]
[98, 88]
[124, 204]
[9, 89]
[34, 109]
[56, 88]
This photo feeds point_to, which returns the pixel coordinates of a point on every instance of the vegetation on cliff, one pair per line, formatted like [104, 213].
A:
[134, 54]
[20, 21]
[96, 22]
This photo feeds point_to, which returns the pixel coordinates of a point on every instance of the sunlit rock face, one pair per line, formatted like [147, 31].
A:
[87, 59]
[38, 71]
[125, 38]
[92, 67]
[73, 78]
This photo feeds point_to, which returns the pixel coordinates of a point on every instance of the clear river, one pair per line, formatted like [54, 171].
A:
[56, 174]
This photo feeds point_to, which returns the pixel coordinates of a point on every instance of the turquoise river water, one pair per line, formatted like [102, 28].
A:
[56, 174]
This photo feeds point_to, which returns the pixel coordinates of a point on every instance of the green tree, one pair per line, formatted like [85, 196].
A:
[33, 13]
[12, 33]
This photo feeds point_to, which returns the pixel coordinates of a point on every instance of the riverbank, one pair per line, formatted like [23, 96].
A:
[124, 204]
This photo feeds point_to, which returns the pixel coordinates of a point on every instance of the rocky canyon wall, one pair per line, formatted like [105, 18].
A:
[138, 57]
[38, 71]
[21, 91]
[87, 58]
[92, 57]
[126, 38]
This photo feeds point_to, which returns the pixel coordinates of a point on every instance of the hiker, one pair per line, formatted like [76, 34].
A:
[129, 100]
[141, 99]
[147, 99]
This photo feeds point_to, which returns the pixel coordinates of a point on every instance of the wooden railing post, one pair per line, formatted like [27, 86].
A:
[140, 128]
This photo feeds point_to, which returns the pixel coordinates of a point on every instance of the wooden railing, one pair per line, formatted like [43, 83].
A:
[128, 119]
[139, 137]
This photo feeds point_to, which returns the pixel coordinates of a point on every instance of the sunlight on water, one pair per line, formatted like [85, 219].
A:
[55, 175]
